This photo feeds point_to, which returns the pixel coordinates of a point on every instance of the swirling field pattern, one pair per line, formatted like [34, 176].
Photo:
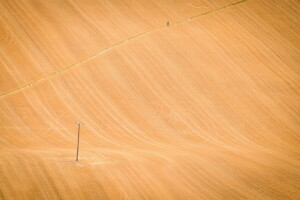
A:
[206, 106]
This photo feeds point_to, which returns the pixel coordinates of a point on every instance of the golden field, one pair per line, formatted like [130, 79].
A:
[207, 107]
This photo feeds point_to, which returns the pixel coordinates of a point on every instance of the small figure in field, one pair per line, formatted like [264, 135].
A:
[168, 23]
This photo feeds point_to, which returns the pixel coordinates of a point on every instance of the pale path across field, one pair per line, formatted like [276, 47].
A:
[207, 108]
[110, 48]
[57, 34]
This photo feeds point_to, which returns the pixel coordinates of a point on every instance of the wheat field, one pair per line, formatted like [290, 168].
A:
[181, 99]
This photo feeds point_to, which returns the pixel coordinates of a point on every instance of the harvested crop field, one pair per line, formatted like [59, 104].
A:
[180, 99]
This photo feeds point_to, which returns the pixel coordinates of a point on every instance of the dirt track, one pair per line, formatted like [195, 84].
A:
[206, 108]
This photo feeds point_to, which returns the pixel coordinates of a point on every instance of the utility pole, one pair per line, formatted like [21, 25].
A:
[78, 123]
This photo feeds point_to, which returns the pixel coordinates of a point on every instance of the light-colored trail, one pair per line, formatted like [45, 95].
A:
[103, 51]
